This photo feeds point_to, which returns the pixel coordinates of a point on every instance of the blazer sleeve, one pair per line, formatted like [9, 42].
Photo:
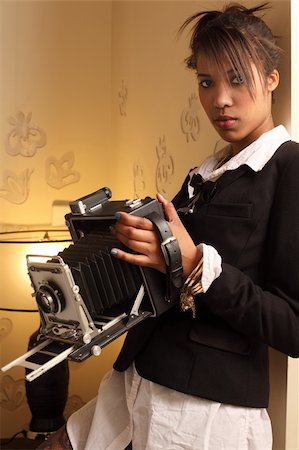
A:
[268, 313]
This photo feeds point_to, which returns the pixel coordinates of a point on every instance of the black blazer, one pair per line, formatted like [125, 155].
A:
[252, 219]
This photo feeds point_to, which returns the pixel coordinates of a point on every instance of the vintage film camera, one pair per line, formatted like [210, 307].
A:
[85, 296]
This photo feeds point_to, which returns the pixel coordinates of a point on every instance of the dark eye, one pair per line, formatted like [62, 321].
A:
[205, 83]
[237, 79]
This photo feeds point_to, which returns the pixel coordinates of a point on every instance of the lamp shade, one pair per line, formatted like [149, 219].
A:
[16, 290]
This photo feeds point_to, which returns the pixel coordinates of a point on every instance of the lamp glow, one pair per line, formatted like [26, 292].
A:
[16, 291]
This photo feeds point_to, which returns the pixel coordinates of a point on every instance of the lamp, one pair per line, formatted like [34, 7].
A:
[47, 395]
[15, 245]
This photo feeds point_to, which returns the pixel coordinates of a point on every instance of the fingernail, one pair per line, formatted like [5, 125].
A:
[117, 215]
[160, 195]
[113, 251]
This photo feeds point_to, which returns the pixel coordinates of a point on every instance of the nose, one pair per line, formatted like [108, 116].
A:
[222, 96]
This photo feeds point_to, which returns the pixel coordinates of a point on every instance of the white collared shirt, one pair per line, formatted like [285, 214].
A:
[130, 408]
[255, 156]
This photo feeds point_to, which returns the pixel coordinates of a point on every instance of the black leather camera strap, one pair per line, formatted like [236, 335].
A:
[170, 249]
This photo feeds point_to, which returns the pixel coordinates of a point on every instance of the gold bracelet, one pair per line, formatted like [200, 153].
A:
[192, 287]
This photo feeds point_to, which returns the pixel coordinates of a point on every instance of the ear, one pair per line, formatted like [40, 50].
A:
[273, 80]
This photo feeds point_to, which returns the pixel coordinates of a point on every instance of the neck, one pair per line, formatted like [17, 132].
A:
[226, 154]
[267, 125]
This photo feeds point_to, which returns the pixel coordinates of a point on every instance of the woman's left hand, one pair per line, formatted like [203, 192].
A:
[138, 234]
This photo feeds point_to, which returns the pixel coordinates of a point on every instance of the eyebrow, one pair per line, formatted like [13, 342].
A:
[229, 73]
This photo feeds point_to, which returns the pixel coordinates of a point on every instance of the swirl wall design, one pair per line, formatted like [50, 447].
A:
[165, 167]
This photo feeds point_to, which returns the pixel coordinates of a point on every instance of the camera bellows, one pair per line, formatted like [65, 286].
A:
[103, 280]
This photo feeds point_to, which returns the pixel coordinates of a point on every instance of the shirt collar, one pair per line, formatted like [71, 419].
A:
[256, 155]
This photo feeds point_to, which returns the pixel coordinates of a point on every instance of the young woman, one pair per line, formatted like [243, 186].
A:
[197, 376]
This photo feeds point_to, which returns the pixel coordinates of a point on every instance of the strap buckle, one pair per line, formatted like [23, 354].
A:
[171, 252]
[164, 249]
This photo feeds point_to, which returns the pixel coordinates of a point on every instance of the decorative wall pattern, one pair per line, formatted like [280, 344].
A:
[25, 138]
[15, 187]
[190, 124]
[60, 172]
[122, 99]
[138, 179]
[165, 167]
[12, 393]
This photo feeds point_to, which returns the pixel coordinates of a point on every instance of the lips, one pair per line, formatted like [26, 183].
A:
[225, 122]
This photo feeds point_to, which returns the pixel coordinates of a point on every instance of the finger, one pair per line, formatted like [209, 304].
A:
[134, 221]
[169, 209]
[125, 233]
[141, 246]
[132, 258]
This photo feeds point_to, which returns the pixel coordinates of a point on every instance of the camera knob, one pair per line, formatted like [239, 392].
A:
[96, 350]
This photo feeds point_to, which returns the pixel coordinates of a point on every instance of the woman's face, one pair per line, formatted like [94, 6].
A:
[238, 117]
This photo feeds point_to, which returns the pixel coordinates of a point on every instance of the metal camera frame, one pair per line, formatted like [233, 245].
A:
[68, 329]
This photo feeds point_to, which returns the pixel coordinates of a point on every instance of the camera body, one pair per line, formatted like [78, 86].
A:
[86, 297]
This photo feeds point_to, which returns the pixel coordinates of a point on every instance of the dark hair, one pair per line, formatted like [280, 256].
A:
[234, 35]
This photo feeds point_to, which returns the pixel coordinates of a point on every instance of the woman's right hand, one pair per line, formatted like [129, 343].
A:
[138, 234]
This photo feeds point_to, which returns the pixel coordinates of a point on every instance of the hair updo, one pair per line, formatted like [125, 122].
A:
[236, 36]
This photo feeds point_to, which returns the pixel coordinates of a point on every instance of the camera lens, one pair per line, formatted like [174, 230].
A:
[50, 298]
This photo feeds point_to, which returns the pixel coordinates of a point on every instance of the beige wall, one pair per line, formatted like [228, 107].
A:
[56, 65]
[106, 83]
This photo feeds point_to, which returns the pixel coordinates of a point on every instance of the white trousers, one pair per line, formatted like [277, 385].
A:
[130, 408]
